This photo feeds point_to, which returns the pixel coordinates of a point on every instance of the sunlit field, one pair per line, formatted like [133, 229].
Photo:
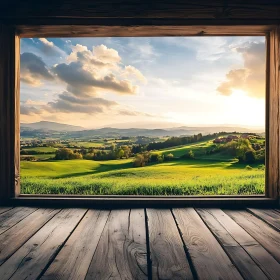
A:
[217, 174]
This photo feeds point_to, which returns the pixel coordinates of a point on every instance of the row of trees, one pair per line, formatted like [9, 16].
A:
[144, 158]
[177, 141]
[91, 154]
[243, 150]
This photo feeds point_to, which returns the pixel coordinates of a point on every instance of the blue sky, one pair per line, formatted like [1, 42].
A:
[144, 82]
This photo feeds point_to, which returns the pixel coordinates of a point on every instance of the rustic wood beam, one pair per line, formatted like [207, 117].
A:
[273, 118]
[9, 113]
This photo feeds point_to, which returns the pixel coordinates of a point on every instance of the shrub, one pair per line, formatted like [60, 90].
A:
[250, 156]
[188, 155]
[154, 157]
[261, 167]
[248, 167]
[169, 157]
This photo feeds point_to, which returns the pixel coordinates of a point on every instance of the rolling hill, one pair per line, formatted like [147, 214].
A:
[48, 126]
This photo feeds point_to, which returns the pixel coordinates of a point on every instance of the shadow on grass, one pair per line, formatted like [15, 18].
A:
[102, 168]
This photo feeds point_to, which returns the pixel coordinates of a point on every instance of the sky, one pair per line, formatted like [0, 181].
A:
[148, 82]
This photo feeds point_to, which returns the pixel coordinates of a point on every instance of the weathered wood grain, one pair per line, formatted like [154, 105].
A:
[262, 257]
[121, 252]
[4, 209]
[12, 217]
[209, 259]
[269, 216]
[273, 116]
[168, 258]
[244, 263]
[261, 231]
[74, 259]
[137, 31]
[31, 259]
[12, 239]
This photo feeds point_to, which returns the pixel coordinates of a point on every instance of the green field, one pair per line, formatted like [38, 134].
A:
[40, 150]
[118, 177]
[215, 174]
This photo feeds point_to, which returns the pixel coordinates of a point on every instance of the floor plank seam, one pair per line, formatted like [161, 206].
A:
[110, 211]
[149, 261]
[52, 258]
[229, 256]
[7, 210]
[188, 256]
[255, 238]
[264, 220]
[18, 220]
[244, 248]
[31, 235]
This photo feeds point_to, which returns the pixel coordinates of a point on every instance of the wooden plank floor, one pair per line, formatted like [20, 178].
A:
[181, 243]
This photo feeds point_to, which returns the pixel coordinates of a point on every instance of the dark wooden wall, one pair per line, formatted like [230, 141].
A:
[195, 9]
[128, 18]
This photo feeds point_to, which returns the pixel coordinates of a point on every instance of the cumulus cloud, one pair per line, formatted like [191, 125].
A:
[251, 78]
[33, 69]
[69, 103]
[130, 71]
[49, 48]
[86, 74]
[90, 72]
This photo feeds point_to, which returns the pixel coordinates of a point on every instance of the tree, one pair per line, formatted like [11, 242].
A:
[188, 155]
[154, 157]
[66, 154]
[169, 156]
[250, 156]
[139, 161]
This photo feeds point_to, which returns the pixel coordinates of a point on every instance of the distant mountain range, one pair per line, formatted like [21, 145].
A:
[47, 126]
[78, 131]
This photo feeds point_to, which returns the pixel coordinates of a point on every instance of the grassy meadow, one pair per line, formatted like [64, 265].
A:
[215, 174]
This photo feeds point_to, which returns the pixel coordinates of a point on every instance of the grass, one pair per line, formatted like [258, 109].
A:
[215, 174]
[193, 177]
[41, 149]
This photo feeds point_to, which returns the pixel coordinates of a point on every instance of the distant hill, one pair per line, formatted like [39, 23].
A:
[48, 126]
[49, 129]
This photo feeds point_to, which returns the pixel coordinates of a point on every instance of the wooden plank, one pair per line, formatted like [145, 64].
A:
[262, 257]
[121, 252]
[234, 9]
[209, 259]
[261, 231]
[272, 115]
[12, 217]
[244, 263]
[168, 258]
[31, 259]
[12, 239]
[151, 30]
[271, 217]
[74, 259]
[9, 113]
[4, 209]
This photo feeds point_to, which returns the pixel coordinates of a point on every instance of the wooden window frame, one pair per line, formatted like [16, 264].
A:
[10, 109]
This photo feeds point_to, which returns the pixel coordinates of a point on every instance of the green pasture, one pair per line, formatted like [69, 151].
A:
[41, 149]
[181, 177]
